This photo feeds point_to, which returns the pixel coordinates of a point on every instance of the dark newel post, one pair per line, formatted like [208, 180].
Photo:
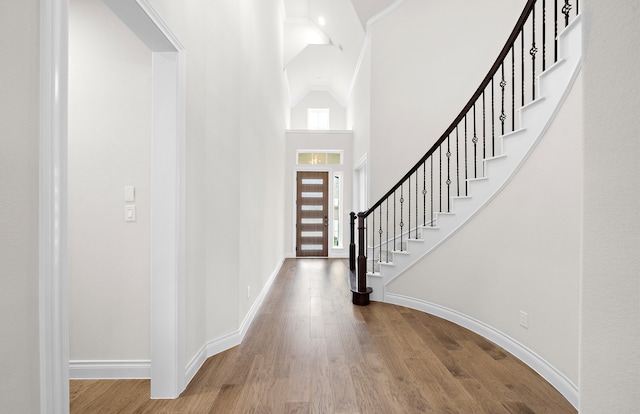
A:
[352, 245]
[361, 294]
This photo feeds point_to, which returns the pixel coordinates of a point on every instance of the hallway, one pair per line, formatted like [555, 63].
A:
[309, 350]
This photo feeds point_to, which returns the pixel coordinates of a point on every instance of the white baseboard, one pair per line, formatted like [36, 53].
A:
[547, 371]
[141, 369]
[228, 341]
[127, 369]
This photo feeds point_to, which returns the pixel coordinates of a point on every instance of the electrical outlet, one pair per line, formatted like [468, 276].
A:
[248, 291]
[524, 319]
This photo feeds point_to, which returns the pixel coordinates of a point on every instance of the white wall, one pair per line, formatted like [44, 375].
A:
[318, 99]
[236, 111]
[610, 319]
[19, 80]
[109, 148]
[521, 252]
[427, 58]
[316, 140]
[359, 109]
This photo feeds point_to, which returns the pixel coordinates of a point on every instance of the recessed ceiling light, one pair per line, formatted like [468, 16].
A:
[321, 21]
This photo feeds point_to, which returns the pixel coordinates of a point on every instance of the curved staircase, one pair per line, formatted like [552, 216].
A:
[534, 119]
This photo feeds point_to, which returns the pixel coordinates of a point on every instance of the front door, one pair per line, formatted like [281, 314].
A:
[312, 221]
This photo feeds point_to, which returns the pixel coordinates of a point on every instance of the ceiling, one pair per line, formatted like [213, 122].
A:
[323, 40]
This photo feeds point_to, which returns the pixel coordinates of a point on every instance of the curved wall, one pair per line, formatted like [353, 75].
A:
[520, 253]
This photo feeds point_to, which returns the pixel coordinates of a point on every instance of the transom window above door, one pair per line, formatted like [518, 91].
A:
[319, 157]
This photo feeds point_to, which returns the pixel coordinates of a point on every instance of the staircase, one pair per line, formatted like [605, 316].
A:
[439, 195]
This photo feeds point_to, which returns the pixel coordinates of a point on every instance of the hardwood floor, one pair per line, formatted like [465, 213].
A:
[309, 350]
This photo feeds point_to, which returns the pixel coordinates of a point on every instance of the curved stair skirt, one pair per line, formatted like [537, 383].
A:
[535, 118]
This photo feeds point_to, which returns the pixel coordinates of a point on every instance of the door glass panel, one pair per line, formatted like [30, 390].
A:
[311, 234]
[312, 208]
[314, 247]
[311, 221]
[337, 210]
[312, 195]
[312, 181]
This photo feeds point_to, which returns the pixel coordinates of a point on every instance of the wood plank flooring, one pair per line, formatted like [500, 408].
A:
[309, 350]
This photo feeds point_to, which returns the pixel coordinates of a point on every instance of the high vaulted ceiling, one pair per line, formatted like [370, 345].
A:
[323, 40]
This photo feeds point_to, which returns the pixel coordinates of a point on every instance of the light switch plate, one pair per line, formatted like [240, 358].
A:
[130, 212]
[129, 194]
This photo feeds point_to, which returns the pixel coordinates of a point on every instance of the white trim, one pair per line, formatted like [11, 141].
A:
[167, 189]
[362, 162]
[246, 323]
[167, 229]
[320, 131]
[384, 13]
[52, 209]
[128, 369]
[546, 370]
[363, 51]
[226, 342]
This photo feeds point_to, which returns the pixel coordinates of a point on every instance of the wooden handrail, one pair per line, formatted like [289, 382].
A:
[478, 98]
[483, 85]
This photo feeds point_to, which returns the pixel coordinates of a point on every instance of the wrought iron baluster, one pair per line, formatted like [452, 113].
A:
[394, 220]
[440, 180]
[457, 162]
[448, 174]
[380, 237]
[566, 10]
[513, 89]
[424, 192]
[387, 243]
[373, 243]
[466, 163]
[366, 237]
[533, 52]
[503, 83]
[417, 173]
[577, 7]
[544, 35]
[431, 190]
[475, 144]
[401, 214]
[409, 207]
[555, 31]
[522, 65]
[493, 122]
[484, 131]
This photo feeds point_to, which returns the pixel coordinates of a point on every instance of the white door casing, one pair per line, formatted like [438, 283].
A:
[168, 217]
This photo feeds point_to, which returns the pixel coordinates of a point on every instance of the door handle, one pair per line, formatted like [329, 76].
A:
[326, 221]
